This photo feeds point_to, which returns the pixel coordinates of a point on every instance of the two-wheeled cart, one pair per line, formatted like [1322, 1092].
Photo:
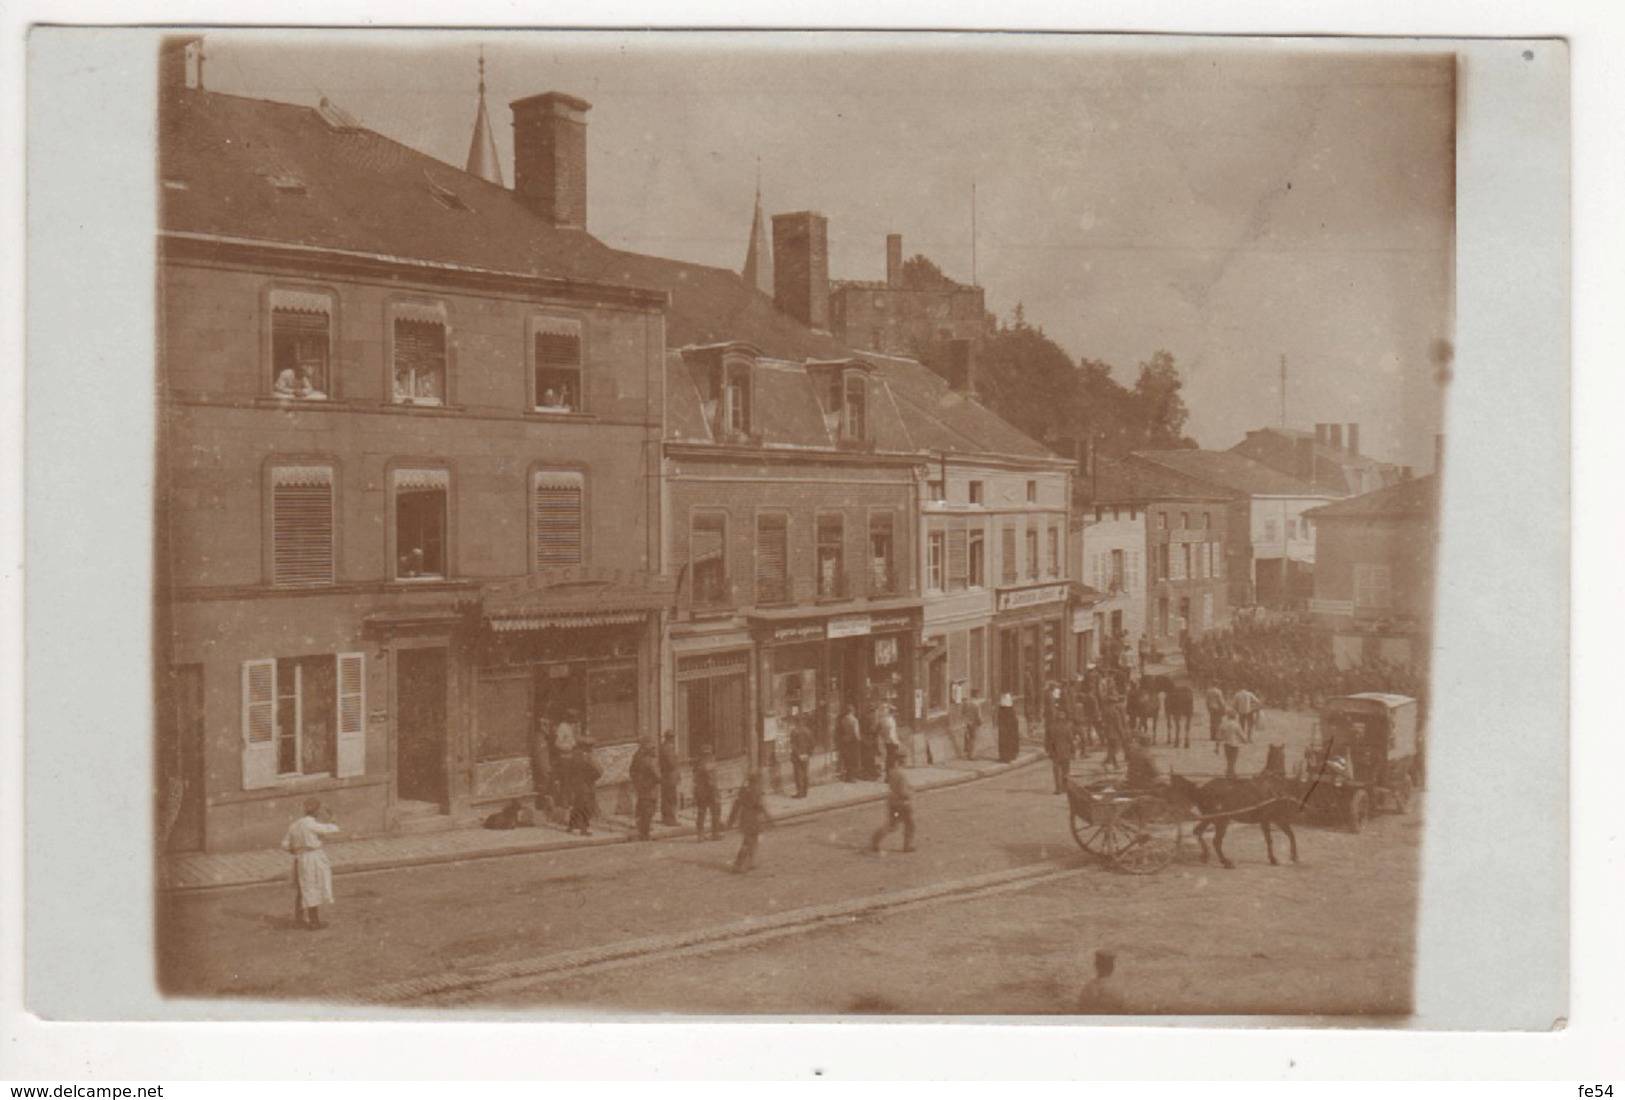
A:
[1132, 830]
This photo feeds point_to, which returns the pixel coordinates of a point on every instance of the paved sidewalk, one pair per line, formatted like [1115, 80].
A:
[206, 870]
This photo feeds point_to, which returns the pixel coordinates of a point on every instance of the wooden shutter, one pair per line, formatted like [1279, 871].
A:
[958, 553]
[772, 558]
[558, 516]
[302, 525]
[352, 712]
[1007, 566]
[1132, 581]
[259, 724]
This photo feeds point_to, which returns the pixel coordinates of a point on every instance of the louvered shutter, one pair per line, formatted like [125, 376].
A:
[302, 525]
[958, 553]
[1007, 567]
[1133, 580]
[259, 724]
[558, 518]
[352, 711]
[772, 559]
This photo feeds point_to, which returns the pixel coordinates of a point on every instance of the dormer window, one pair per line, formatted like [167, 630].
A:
[556, 364]
[301, 344]
[855, 409]
[419, 354]
[736, 398]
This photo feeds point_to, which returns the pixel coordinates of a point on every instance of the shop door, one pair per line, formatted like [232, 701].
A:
[420, 706]
[1010, 662]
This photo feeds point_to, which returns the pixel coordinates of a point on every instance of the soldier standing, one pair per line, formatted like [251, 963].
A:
[899, 811]
[706, 798]
[972, 708]
[801, 746]
[846, 742]
[581, 779]
[1058, 743]
[645, 785]
[670, 772]
[750, 814]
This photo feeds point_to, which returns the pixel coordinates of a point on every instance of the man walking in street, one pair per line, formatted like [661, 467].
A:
[707, 799]
[801, 746]
[1246, 705]
[1215, 710]
[670, 772]
[899, 811]
[645, 786]
[1058, 743]
[581, 776]
[750, 814]
[1232, 738]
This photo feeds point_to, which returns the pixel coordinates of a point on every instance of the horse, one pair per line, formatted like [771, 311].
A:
[1143, 708]
[1181, 706]
[1263, 800]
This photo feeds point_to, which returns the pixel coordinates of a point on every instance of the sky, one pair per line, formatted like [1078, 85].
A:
[1229, 201]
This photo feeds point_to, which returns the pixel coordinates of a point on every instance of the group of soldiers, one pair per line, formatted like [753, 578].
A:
[1290, 664]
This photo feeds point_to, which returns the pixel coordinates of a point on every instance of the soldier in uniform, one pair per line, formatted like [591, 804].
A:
[899, 811]
[1058, 743]
[847, 734]
[750, 814]
[707, 799]
[670, 772]
[645, 785]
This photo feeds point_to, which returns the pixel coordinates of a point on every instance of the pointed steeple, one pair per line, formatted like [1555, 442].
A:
[758, 270]
[482, 151]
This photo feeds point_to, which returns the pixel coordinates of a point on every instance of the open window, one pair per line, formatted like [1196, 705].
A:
[420, 524]
[302, 717]
[556, 364]
[419, 354]
[708, 558]
[301, 344]
[882, 550]
[831, 556]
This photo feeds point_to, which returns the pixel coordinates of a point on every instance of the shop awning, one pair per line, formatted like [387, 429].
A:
[575, 597]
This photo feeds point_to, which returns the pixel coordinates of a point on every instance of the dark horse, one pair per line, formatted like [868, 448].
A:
[1263, 800]
[1180, 706]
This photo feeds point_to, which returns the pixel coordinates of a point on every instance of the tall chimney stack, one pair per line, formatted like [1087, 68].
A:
[1335, 438]
[894, 259]
[1354, 439]
[550, 157]
[801, 267]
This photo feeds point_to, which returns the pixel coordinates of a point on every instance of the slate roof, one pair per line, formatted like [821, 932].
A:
[1228, 470]
[1414, 499]
[1118, 482]
[940, 419]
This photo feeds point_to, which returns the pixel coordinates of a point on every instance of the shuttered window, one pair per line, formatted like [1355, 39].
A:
[302, 525]
[1032, 553]
[1007, 567]
[958, 554]
[978, 559]
[303, 716]
[1133, 581]
[1053, 549]
[772, 558]
[1372, 586]
[707, 558]
[557, 515]
[556, 356]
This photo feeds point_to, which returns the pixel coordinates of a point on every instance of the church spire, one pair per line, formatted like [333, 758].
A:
[758, 271]
[482, 151]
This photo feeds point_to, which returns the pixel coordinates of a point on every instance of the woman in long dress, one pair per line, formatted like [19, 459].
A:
[1009, 729]
[312, 874]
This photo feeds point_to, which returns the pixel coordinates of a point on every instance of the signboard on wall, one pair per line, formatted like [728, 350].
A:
[1031, 597]
[849, 626]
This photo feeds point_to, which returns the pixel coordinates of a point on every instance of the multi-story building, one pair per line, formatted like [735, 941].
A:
[1374, 577]
[992, 549]
[1187, 529]
[914, 312]
[410, 422]
[1271, 545]
[1327, 460]
[1109, 537]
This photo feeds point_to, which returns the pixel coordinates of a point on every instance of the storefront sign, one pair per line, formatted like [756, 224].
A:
[1031, 597]
[798, 632]
[1082, 620]
[849, 626]
[891, 620]
[885, 651]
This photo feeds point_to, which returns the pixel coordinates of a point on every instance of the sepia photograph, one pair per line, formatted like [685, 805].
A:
[896, 504]
[864, 526]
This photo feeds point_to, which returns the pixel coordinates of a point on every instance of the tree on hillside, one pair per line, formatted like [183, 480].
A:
[919, 273]
[1028, 379]
[1158, 407]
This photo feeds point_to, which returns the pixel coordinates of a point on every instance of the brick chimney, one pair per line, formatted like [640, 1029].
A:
[894, 259]
[1354, 439]
[550, 157]
[1335, 436]
[801, 267]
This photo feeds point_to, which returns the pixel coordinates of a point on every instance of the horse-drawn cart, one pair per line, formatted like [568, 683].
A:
[1364, 757]
[1133, 831]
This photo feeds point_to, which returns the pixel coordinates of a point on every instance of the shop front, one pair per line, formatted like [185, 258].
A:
[1029, 646]
[810, 668]
[561, 657]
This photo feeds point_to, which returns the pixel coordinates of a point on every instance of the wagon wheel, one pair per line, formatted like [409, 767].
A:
[1359, 808]
[1107, 839]
[1146, 854]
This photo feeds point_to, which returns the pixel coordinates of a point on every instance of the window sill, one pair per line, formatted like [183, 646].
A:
[295, 784]
[426, 579]
[415, 408]
[275, 401]
[558, 414]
